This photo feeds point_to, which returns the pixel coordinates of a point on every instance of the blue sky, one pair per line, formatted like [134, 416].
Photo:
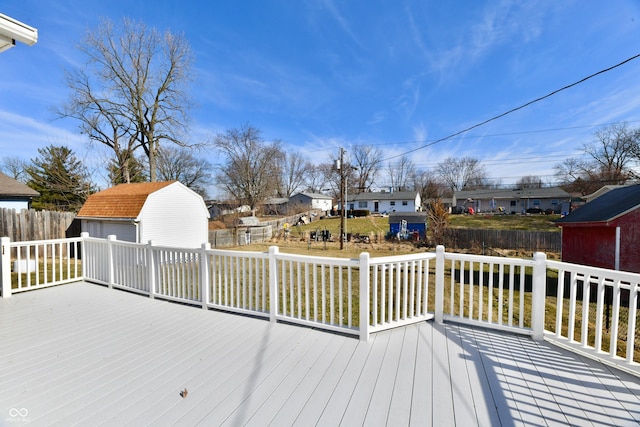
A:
[319, 75]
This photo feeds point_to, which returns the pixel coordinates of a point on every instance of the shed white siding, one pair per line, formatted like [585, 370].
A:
[174, 216]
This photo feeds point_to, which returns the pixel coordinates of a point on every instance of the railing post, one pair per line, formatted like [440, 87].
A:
[205, 288]
[83, 253]
[5, 266]
[364, 296]
[110, 239]
[439, 303]
[273, 283]
[539, 294]
[151, 270]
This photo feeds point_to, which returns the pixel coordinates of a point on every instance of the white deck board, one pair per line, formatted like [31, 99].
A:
[83, 354]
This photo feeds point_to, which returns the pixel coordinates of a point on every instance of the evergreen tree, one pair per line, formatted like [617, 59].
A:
[60, 178]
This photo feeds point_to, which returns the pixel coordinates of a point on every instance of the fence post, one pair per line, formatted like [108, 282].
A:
[151, 270]
[204, 275]
[439, 303]
[273, 283]
[539, 294]
[364, 296]
[110, 239]
[5, 266]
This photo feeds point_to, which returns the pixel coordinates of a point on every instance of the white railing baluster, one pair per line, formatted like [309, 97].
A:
[584, 331]
[631, 321]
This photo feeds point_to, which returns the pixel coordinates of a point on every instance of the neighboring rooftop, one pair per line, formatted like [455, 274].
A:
[12, 188]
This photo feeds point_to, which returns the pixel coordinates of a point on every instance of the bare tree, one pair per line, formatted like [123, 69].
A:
[613, 151]
[250, 173]
[464, 173]
[293, 171]
[427, 184]
[315, 180]
[180, 164]
[400, 173]
[530, 181]
[368, 161]
[14, 167]
[611, 157]
[131, 92]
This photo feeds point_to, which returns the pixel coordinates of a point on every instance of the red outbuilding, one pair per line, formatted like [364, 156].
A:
[605, 232]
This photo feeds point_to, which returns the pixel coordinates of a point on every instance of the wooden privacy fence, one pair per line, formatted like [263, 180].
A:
[544, 241]
[25, 225]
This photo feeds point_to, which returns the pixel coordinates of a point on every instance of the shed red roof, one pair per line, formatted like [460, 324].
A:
[121, 201]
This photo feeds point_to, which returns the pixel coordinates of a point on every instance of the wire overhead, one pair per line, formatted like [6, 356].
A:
[516, 108]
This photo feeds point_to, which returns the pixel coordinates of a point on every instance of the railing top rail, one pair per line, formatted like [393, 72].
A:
[310, 259]
[402, 258]
[612, 275]
[238, 254]
[44, 242]
[487, 259]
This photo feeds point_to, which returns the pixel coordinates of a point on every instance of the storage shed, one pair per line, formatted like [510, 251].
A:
[416, 225]
[169, 213]
[605, 232]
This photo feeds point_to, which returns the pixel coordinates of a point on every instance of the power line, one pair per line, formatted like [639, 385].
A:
[516, 108]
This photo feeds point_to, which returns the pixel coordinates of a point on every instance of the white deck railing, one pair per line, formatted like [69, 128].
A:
[590, 310]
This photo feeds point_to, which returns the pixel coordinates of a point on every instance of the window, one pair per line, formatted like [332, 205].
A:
[536, 202]
[512, 203]
[393, 203]
[405, 203]
[555, 202]
[362, 205]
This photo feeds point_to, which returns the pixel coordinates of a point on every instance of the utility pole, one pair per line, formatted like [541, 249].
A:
[343, 190]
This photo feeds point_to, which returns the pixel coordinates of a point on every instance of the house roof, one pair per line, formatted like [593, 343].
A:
[607, 207]
[599, 192]
[121, 201]
[12, 188]
[383, 195]
[519, 193]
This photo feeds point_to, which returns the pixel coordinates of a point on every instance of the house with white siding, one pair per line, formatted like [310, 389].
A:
[168, 213]
[311, 201]
[385, 201]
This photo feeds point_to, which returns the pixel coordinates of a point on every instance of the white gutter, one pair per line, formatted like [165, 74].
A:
[12, 31]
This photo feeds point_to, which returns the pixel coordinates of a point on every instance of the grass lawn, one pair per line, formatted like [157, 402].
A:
[506, 222]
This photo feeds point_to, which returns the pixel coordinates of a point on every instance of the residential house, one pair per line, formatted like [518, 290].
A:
[519, 200]
[14, 194]
[385, 201]
[310, 201]
[168, 213]
[219, 208]
[605, 232]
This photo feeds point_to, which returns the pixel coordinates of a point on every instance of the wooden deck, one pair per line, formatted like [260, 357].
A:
[82, 354]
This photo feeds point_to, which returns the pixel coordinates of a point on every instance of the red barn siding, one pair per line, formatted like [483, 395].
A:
[594, 244]
[589, 245]
[629, 241]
